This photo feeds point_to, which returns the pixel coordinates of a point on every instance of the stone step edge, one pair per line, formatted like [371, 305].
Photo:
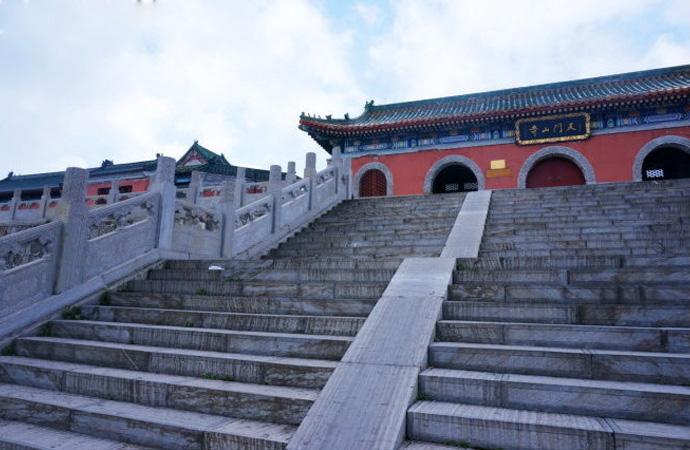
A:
[528, 424]
[28, 436]
[80, 407]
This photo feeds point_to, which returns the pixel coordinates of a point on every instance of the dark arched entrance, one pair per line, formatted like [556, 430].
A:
[454, 178]
[551, 172]
[666, 163]
[373, 184]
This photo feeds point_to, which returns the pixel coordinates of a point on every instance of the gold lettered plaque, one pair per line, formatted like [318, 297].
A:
[560, 128]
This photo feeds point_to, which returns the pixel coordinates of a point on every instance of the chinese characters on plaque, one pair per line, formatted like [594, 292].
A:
[566, 127]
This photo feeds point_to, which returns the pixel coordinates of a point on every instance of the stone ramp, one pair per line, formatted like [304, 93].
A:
[572, 328]
[191, 358]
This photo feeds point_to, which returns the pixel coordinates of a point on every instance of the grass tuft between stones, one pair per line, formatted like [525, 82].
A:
[212, 376]
[72, 313]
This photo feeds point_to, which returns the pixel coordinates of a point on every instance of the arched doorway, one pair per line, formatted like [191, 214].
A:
[373, 184]
[666, 163]
[455, 178]
[555, 171]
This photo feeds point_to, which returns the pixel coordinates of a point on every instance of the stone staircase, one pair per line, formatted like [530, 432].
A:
[572, 329]
[190, 358]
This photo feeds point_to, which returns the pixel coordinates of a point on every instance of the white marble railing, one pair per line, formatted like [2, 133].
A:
[84, 250]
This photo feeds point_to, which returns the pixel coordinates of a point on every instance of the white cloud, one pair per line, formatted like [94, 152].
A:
[87, 81]
[369, 13]
[438, 47]
[133, 80]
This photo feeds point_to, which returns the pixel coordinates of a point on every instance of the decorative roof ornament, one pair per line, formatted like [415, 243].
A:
[368, 105]
[347, 116]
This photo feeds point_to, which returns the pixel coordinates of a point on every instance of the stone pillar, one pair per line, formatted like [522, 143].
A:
[14, 203]
[164, 183]
[310, 174]
[74, 214]
[114, 191]
[227, 207]
[238, 197]
[338, 163]
[45, 201]
[291, 176]
[275, 186]
[310, 166]
[194, 187]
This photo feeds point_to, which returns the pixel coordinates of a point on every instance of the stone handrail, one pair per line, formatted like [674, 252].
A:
[294, 191]
[109, 219]
[28, 262]
[83, 251]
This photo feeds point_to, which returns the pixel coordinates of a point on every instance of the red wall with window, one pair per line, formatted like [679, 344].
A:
[611, 155]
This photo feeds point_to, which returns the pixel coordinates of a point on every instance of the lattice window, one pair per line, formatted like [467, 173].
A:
[471, 186]
[655, 173]
[452, 187]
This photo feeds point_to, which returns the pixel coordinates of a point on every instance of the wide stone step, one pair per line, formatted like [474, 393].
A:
[514, 429]
[383, 235]
[643, 339]
[571, 262]
[564, 238]
[626, 293]
[322, 325]
[359, 307]
[648, 367]
[306, 263]
[257, 343]
[277, 404]
[137, 424]
[623, 400]
[373, 245]
[652, 243]
[373, 252]
[245, 368]
[25, 436]
[372, 275]
[585, 252]
[630, 231]
[590, 313]
[431, 227]
[584, 224]
[598, 276]
[333, 290]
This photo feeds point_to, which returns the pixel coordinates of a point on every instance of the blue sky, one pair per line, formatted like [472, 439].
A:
[86, 80]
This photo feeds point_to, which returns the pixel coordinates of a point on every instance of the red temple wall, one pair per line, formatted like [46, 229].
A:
[138, 185]
[611, 155]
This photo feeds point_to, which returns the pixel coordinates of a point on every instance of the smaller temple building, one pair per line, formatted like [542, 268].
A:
[115, 182]
[626, 127]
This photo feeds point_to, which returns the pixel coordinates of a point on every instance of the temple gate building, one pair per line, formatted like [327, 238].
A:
[627, 127]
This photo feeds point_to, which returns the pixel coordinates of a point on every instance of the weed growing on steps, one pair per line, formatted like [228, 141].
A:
[8, 350]
[465, 444]
[105, 298]
[201, 291]
[189, 324]
[212, 376]
[72, 313]
[44, 330]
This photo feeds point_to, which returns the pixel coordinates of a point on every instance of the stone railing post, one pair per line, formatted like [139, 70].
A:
[164, 183]
[310, 173]
[74, 214]
[275, 186]
[338, 163]
[114, 191]
[227, 208]
[291, 176]
[240, 180]
[45, 201]
[194, 187]
[14, 203]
